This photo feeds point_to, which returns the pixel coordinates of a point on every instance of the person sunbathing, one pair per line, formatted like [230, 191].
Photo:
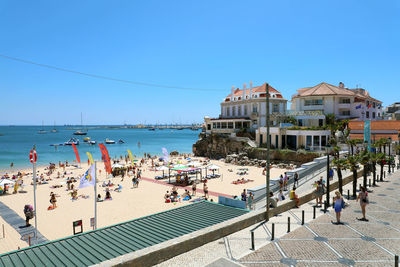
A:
[108, 196]
[119, 188]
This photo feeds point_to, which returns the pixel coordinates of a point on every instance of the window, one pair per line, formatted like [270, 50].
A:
[214, 125]
[233, 111]
[320, 122]
[373, 104]
[345, 113]
[373, 115]
[230, 125]
[275, 108]
[300, 122]
[208, 126]
[245, 110]
[254, 108]
[367, 114]
[323, 140]
[228, 111]
[313, 102]
[223, 125]
[308, 140]
[239, 111]
[344, 101]
[379, 114]
[316, 140]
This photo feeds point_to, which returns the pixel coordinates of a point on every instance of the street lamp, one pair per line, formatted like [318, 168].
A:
[327, 173]
[267, 178]
[390, 160]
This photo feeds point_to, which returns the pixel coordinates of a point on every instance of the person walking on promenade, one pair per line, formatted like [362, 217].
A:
[29, 214]
[319, 192]
[244, 195]
[205, 189]
[296, 179]
[250, 201]
[281, 182]
[53, 200]
[363, 197]
[295, 197]
[285, 181]
[338, 205]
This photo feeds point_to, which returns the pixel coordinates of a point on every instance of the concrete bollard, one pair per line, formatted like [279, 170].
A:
[302, 217]
[314, 208]
[384, 174]
[359, 188]
[252, 240]
[273, 232]
[369, 182]
[377, 177]
[325, 206]
[348, 194]
[288, 224]
[396, 260]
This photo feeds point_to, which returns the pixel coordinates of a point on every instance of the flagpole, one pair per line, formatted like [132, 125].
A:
[34, 190]
[95, 196]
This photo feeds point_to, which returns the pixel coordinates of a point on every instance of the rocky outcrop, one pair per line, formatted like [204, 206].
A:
[217, 146]
[238, 151]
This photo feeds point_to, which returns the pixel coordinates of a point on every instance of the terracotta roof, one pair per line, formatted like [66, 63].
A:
[376, 125]
[329, 89]
[257, 89]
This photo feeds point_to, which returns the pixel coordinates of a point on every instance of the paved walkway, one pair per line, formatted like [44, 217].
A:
[318, 242]
[356, 243]
[14, 220]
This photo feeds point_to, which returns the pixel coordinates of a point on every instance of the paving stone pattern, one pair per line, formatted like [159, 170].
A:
[355, 243]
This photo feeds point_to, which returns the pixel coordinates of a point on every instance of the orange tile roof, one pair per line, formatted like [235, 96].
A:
[383, 125]
[257, 89]
[329, 89]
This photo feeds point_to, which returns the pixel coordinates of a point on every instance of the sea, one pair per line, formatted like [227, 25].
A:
[17, 141]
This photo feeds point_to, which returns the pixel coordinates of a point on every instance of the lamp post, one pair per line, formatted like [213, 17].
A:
[327, 174]
[390, 160]
[267, 178]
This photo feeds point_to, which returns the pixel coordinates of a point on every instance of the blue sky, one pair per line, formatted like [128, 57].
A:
[196, 44]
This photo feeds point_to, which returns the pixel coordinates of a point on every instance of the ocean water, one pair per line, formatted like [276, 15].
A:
[17, 141]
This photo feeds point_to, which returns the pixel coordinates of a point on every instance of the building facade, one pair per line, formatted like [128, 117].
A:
[245, 109]
[344, 103]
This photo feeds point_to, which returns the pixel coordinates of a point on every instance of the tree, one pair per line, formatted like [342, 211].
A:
[352, 162]
[352, 143]
[373, 158]
[364, 160]
[340, 164]
[381, 158]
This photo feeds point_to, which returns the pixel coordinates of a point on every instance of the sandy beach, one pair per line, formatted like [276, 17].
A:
[126, 205]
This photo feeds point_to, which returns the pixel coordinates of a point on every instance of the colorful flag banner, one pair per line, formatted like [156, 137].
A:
[166, 155]
[105, 157]
[76, 153]
[359, 106]
[367, 133]
[90, 157]
[89, 178]
[130, 156]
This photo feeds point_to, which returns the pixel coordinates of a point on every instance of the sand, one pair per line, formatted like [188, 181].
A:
[129, 204]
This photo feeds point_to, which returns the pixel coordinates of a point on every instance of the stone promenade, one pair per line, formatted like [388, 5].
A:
[356, 243]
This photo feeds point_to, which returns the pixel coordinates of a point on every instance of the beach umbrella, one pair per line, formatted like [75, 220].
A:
[162, 168]
[213, 167]
[6, 181]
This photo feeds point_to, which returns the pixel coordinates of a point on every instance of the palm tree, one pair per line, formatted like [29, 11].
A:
[381, 157]
[340, 164]
[352, 143]
[373, 159]
[364, 160]
[352, 162]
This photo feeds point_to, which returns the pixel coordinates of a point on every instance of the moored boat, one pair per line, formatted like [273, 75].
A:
[109, 141]
[71, 141]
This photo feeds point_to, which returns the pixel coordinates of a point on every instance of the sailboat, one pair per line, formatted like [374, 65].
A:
[42, 131]
[54, 130]
[79, 132]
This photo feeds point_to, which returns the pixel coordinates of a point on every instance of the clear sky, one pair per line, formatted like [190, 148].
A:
[197, 44]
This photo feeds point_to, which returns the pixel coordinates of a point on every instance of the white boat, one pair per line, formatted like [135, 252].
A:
[42, 131]
[54, 130]
[92, 142]
[79, 132]
[109, 141]
[71, 141]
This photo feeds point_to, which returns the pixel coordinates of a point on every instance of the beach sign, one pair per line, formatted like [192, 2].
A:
[77, 224]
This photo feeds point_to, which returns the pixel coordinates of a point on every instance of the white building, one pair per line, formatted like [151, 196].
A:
[343, 102]
[246, 109]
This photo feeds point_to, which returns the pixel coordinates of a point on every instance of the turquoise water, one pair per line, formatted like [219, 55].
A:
[17, 141]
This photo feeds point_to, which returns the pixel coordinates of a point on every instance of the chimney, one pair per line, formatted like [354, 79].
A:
[232, 92]
[341, 85]
[244, 91]
[251, 89]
